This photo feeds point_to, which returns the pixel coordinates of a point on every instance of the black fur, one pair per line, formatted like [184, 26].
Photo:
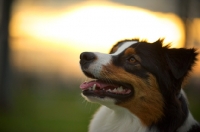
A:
[195, 128]
[170, 66]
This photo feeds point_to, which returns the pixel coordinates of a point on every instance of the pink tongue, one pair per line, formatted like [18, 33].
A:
[99, 84]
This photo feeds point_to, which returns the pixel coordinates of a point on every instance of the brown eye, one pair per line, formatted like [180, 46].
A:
[131, 60]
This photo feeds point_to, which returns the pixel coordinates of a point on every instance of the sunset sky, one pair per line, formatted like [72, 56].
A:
[49, 39]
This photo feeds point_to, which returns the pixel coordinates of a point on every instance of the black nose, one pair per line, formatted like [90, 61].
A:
[87, 57]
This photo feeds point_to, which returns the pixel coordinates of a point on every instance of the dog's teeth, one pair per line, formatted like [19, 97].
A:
[120, 89]
[117, 90]
[114, 90]
[94, 87]
[109, 90]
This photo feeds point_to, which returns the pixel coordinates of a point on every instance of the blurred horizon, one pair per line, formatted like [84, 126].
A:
[55, 35]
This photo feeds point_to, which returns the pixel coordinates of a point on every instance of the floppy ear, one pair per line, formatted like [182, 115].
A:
[180, 61]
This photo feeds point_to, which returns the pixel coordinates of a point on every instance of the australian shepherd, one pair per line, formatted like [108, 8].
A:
[139, 85]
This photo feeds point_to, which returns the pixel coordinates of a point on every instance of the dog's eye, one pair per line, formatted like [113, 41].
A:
[131, 60]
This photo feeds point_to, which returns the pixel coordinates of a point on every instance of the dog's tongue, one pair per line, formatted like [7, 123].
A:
[99, 84]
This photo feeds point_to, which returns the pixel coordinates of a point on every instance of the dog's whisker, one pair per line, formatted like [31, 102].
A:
[86, 103]
[83, 101]
[90, 110]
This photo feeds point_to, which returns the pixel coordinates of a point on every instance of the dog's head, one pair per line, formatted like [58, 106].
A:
[145, 78]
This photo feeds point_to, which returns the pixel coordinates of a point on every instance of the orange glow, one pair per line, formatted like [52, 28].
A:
[88, 26]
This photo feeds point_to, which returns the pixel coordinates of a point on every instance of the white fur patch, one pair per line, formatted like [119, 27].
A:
[116, 120]
[104, 59]
[124, 46]
[189, 122]
[109, 102]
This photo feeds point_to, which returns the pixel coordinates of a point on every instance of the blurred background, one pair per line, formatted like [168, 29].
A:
[40, 43]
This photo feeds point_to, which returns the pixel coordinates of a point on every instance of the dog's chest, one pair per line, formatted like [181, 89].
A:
[120, 120]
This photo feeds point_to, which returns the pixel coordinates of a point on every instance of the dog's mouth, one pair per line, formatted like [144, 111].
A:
[100, 88]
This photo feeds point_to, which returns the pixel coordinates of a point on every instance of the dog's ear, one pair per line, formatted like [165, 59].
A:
[180, 61]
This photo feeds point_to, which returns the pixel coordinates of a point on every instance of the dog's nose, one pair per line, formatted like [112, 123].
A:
[87, 57]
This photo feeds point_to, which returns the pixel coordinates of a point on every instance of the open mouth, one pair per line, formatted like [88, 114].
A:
[100, 88]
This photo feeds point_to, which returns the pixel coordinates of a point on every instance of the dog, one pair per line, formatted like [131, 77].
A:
[139, 85]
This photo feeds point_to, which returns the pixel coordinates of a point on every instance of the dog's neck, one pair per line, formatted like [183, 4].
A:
[115, 118]
[119, 120]
[186, 126]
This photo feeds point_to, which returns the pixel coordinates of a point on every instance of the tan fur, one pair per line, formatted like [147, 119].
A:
[114, 49]
[147, 102]
[129, 51]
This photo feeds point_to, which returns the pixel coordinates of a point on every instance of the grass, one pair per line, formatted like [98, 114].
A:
[57, 111]
[50, 110]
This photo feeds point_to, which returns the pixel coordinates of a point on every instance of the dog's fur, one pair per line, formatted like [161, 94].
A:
[139, 86]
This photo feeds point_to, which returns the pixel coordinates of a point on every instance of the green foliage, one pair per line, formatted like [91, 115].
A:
[53, 111]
